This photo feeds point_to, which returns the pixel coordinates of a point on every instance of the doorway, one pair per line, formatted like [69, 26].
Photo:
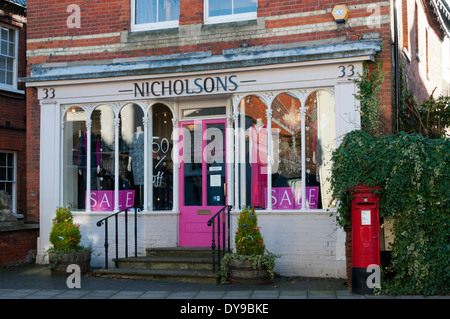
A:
[202, 178]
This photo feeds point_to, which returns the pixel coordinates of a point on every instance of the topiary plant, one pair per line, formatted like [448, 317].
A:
[248, 239]
[65, 235]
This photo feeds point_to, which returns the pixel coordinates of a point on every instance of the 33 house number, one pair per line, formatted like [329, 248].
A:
[48, 93]
[346, 71]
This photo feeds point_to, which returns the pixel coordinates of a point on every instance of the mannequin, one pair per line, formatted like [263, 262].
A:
[137, 157]
[258, 162]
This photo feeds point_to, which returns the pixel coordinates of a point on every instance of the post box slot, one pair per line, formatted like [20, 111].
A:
[365, 205]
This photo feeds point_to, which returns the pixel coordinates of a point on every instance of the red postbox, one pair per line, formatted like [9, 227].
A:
[365, 237]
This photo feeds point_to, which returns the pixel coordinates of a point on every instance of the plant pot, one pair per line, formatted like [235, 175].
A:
[242, 273]
[59, 261]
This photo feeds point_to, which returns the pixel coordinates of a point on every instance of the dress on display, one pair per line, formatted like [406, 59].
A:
[258, 163]
[137, 155]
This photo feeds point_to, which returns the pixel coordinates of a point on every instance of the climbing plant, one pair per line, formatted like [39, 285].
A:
[413, 172]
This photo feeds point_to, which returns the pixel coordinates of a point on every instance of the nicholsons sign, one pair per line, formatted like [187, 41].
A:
[191, 86]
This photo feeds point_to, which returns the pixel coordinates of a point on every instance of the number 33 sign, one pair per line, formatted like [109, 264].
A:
[346, 71]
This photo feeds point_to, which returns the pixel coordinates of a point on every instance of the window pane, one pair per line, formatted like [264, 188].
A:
[320, 142]
[221, 110]
[215, 164]
[286, 146]
[192, 157]
[168, 10]
[74, 159]
[254, 146]
[9, 78]
[220, 7]
[245, 6]
[2, 159]
[162, 172]
[146, 11]
[131, 157]
[153, 11]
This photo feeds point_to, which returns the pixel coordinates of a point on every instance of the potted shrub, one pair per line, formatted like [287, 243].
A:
[65, 237]
[251, 264]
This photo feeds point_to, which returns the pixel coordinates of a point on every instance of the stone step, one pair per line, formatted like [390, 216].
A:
[204, 252]
[178, 264]
[169, 262]
[185, 276]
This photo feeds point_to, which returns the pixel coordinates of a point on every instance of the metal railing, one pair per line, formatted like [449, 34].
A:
[116, 217]
[225, 234]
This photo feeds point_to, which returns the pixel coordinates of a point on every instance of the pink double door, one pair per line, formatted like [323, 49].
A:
[202, 179]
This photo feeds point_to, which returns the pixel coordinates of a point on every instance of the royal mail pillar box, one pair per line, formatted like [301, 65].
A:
[365, 238]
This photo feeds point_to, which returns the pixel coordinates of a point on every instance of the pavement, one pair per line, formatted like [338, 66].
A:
[35, 282]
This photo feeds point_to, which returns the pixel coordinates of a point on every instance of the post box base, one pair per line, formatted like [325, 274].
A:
[359, 281]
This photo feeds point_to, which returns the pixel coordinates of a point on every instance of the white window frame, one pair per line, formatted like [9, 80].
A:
[13, 87]
[228, 17]
[150, 26]
[13, 181]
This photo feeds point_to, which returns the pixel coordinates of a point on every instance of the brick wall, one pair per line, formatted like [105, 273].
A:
[422, 51]
[18, 247]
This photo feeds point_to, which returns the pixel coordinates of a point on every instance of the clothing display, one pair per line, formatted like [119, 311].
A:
[137, 158]
[258, 164]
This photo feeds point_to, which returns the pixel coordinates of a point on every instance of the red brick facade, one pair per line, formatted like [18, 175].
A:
[105, 36]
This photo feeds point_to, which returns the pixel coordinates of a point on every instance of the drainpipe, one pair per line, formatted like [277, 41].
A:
[397, 67]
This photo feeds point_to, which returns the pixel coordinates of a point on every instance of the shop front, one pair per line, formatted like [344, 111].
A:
[181, 145]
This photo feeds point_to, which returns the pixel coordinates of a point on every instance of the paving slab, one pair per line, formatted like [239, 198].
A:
[321, 294]
[265, 294]
[293, 294]
[160, 294]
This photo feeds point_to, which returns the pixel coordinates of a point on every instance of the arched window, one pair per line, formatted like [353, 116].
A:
[74, 158]
[161, 158]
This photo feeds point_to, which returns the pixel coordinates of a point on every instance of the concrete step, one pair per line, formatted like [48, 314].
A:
[171, 275]
[204, 252]
[160, 262]
[181, 264]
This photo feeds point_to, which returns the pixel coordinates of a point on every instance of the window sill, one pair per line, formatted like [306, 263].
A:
[229, 23]
[11, 89]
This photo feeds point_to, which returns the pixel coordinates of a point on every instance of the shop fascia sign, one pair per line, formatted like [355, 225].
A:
[187, 86]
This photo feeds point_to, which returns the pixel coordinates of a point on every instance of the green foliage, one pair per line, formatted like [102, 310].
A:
[65, 235]
[430, 119]
[249, 246]
[414, 175]
[266, 261]
[370, 85]
[248, 239]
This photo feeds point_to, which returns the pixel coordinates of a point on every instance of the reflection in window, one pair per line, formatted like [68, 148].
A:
[254, 145]
[193, 165]
[75, 159]
[131, 156]
[102, 156]
[287, 165]
[162, 170]
[156, 11]
[320, 142]
[230, 7]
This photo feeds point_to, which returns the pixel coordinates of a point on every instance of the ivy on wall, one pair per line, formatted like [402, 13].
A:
[413, 172]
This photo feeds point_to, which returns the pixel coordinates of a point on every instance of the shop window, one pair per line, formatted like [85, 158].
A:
[161, 159]
[75, 158]
[155, 14]
[8, 168]
[320, 140]
[253, 161]
[217, 11]
[8, 58]
[287, 158]
[282, 141]
[131, 156]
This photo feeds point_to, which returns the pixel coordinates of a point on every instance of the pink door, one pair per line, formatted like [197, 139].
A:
[202, 179]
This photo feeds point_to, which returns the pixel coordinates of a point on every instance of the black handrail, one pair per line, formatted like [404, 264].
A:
[105, 220]
[225, 234]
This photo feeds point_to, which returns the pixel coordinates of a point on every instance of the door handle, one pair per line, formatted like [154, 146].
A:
[225, 189]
